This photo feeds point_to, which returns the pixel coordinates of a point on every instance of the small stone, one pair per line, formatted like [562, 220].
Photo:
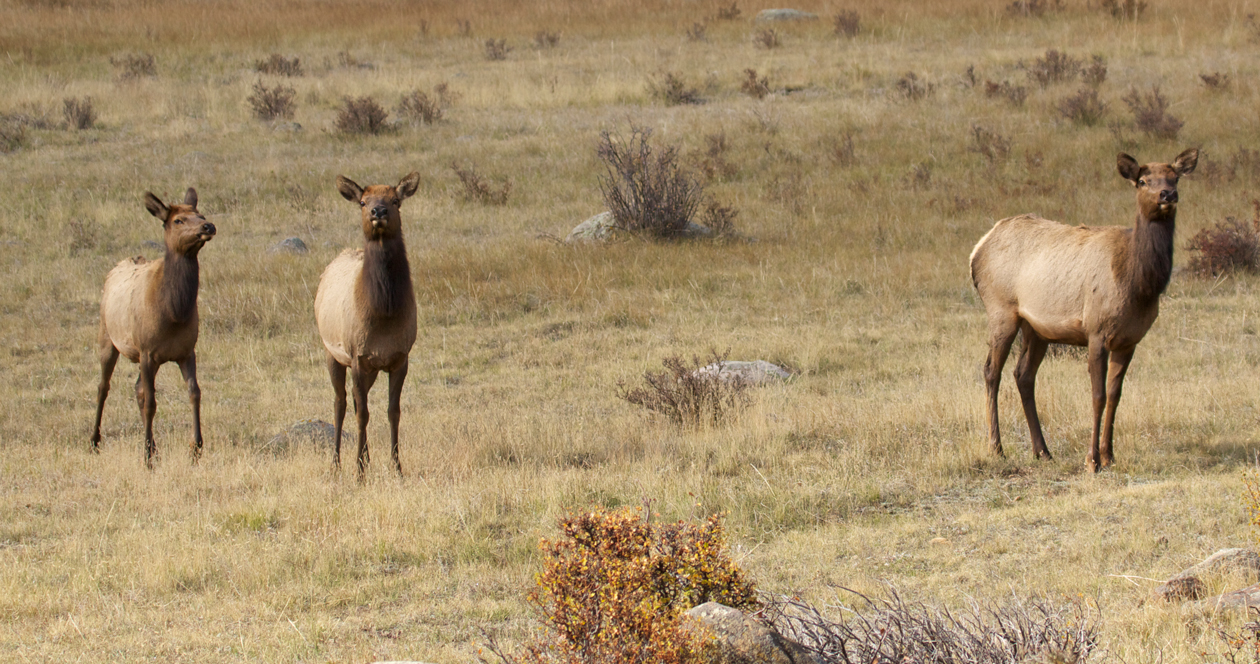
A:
[599, 228]
[758, 372]
[1239, 599]
[290, 245]
[742, 640]
[286, 127]
[785, 15]
[317, 433]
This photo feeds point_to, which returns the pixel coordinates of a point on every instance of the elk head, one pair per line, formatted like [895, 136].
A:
[186, 231]
[380, 203]
[1157, 183]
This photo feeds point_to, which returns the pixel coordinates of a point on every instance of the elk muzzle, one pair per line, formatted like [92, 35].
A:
[380, 216]
[1168, 196]
[207, 231]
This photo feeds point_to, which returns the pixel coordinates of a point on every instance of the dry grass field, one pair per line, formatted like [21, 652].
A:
[863, 189]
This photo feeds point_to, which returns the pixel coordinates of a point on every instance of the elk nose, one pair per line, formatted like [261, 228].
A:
[380, 212]
[207, 228]
[1168, 196]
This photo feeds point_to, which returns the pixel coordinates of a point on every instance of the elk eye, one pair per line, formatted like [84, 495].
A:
[362, 203]
[1141, 183]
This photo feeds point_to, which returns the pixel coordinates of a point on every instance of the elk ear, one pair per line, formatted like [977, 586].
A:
[1186, 161]
[155, 206]
[349, 190]
[190, 198]
[408, 185]
[1128, 167]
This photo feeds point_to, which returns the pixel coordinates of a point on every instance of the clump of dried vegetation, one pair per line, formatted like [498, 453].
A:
[270, 103]
[698, 32]
[1150, 113]
[714, 163]
[913, 88]
[497, 49]
[670, 88]
[846, 23]
[546, 39]
[479, 188]
[614, 589]
[1130, 9]
[646, 188]
[12, 135]
[1016, 95]
[767, 38]
[692, 395]
[278, 65]
[994, 147]
[1094, 74]
[1054, 67]
[1084, 108]
[134, 66]
[361, 115]
[1033, 7]
[1215, 81]
[754, 87]
[730, 13]
[1228, 246]
[79, 113]
[425, 108]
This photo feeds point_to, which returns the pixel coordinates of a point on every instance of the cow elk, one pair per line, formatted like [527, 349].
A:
[1096, 287]
[365, 310]
[149, 316]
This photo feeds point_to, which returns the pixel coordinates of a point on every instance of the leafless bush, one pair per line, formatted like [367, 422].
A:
[647, 189]
[420, 106]
[1084, 107]
[840, 149]
[1015, 94]
[728, 13]
[847, 23]
[278, 65]
[1131, 9]
[546, 39]
[894, 631]
[1033, 7]
[135, 65]
[913, 88]
[80, 114]
[671, 89]
[12, 135]
[1150, 113]
[271, 103]
[347, 60]
[766, 38]
[719, 218]
[32, 116]
[1229, 246]
[687, 396]
[497, 49]
[698, 32]
[1053, 67]
[1216, 81]
[361, 115]
[753, 86]
[991, 145]
[1095, 73]
[478, 188]
[714, 163]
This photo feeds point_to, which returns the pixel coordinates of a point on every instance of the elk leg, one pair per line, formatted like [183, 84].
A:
[1098, 356]
[363, 380]
[337, 372]
[396, 378]
[146, 396]
[188, 369]
[1032, 352]
[1001, 336]
[1115, 380]
[109, 358]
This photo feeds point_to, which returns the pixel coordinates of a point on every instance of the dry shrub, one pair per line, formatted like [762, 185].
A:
[546, 39]
[477, 187]
[1054, 67]
[1014, 94]
[894, 631]
[991, 145]
[135, 65]
[1216, 81]
[847, 23]
[1084, 107]
[714, 163]
[80, 114]
[82, 236]
[1228, 246]
[914, 88]
[419, 106]
[647, 189]
[1095, 73]
[1150, 113]
[1130, 9]
[614, 589]
[278, 65]
[497, 49]
[346, 60]
[671, 89]
[271, 103]
[361, 115]
[766, 38]
[698, 32]
[728, 13]
[719, 218]
[1033, 7]
[840, 150]
[755, 87]
[12, 135]
[687, 396]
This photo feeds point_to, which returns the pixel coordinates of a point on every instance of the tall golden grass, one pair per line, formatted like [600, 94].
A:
[857, 281]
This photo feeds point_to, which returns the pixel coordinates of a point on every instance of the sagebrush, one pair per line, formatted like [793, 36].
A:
[1228, 246]
[270, 103]
[692, 395]
[646, 188]
[361, 115]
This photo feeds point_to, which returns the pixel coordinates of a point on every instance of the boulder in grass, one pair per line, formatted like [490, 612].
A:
[768, 15]
[316, 433]
[1188, 585]
[742, 640]
[603, 228]
[758, 372]
[290, 245]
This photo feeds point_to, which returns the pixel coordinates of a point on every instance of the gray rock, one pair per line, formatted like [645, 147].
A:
[757, 372]
[603, 228]
[785, 15]
[289, 245]
[286, 127]
[742, 640]
[317, 433]
[1238, 599]
[1188, 585]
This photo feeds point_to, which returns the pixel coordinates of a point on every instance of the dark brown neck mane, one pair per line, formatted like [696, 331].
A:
[386, 282]
[177, 292]
[1150, 256]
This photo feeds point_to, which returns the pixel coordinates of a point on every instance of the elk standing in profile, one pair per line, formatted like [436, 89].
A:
[365, 310]
[149, 316]
[1097, 287]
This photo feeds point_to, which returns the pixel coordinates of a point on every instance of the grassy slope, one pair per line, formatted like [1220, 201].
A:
[858, 282]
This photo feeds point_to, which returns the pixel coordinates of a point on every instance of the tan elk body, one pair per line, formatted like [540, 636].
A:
[149, 316]
[365, 309]
[1097, 287]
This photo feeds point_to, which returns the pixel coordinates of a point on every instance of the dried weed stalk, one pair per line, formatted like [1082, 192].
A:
[686, 395]
[754, 87]
[278, 65]
[673, 90]
[79, 113]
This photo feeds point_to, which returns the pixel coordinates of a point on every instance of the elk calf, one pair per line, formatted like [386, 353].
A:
[365, 310]
[1097, 287]
[149, 316]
